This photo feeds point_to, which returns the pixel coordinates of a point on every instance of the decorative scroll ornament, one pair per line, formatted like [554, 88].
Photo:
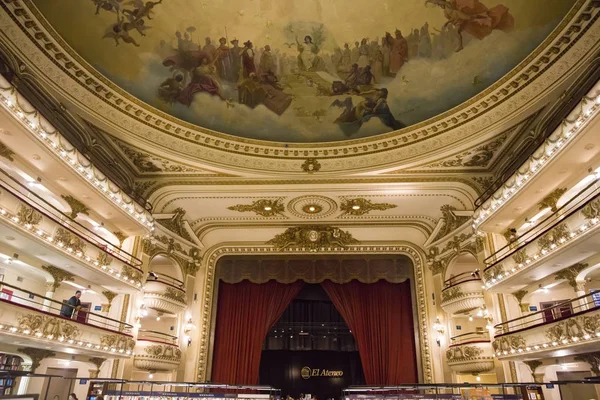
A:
[6, 152]
[436, 266]
[451, 221]
[28, 216]
[97, 361]
[463, 353]
[574, 327]
[121, 236]
[69, 240]
[520, 257]
[104, 259]
[110, 296]
[560, 232]
[36, 355]
[591, 209]
[59, 275]
[163, 351]
[132, 273]
[533, 366]
[570, 274]
[456, 244]
[312, 238]
[552, 199]
[508, 343]
[176, 224]
[520, 295]
[263, 207]
[77, 207]
[362, 206]
[593, 359]
[490, 273]
[48, 327]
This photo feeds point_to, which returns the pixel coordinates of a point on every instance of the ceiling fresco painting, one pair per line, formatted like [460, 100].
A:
[304, 71]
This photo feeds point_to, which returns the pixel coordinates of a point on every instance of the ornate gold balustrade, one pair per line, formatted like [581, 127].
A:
[572, 326]
[156, 351]
[556, 237]
[470, 353]
[41, 224]
[30, 318]
[462, 293]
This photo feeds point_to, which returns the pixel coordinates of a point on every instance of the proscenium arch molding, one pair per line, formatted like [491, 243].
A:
[209, 293]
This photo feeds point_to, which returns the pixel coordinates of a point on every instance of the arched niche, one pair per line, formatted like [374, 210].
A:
[464, 263]
[165, 268]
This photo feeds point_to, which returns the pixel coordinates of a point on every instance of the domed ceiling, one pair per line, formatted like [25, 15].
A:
[304, 71]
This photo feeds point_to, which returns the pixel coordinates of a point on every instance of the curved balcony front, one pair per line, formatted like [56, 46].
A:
[156, 351]
[33, 320]
[165, 294]
[571, 327]
[43, 228]
[470, 353]
[462, 293]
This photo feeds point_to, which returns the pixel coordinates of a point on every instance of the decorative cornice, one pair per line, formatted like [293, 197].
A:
[262, 207]
[312, 238]
[77, 207]
[361, 206]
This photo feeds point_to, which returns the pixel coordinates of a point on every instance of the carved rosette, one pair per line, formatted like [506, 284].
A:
[462, 298]
[156, 357]
[163, 302]
[473, 358]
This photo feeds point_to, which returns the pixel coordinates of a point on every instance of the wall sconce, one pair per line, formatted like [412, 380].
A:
[187, 329]
[439, 328]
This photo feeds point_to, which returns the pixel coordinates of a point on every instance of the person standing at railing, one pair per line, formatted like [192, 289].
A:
[71, 305]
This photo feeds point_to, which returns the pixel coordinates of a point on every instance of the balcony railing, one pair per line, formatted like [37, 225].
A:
[470, 337]
[462, 293]
[461, 278]
[559, 312]
[574, 217]
[28, 210]
[155, 277]
[148, 335]
[25, 298]
[39, 204]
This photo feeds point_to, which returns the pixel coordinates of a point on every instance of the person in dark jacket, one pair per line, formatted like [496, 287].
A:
[71, 305]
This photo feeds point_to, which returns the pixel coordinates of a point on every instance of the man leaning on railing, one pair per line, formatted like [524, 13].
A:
[72, 305]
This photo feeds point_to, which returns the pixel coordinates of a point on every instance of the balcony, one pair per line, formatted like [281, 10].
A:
[156, 351]
[470, 353]
[165, 294]
[31, 319]
[462, 293]
[564, 237]
[568, 328]
[38, 226]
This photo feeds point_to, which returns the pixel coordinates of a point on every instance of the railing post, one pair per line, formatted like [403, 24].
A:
[50, 289]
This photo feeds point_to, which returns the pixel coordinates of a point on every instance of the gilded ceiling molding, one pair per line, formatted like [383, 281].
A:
[413, 252]
[312, 238]
[312, 207]
[361, 206]
[311, 165]
[262, 207]
[77, 207]
[6, 152]
[552, 199]
[176, 224]
[134, 116]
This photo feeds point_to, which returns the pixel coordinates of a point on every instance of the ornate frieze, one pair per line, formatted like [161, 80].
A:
[313, 238]
[573, 327]
[131, 273]
[117, 342]
[103, 259]
[361, 206]
[77, 207]
[462, 297]
[470, 359]
[48, 327]
[451, 293]
[174, 294]
[558, 233]
[510, 343]
[262, 207]
[157, 357]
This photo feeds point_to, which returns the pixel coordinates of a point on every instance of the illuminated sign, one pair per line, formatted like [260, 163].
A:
[308, 372]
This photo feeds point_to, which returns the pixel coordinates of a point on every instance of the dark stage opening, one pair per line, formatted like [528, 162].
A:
[310, 349]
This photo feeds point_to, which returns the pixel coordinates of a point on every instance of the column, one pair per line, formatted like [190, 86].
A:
[24, 380]
[580, 291]
[50, 290]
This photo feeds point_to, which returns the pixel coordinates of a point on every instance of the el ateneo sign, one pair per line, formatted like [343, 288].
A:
[308, 372]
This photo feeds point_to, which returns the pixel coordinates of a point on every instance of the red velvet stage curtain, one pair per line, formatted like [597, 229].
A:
[380, 317]
[245, 313]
